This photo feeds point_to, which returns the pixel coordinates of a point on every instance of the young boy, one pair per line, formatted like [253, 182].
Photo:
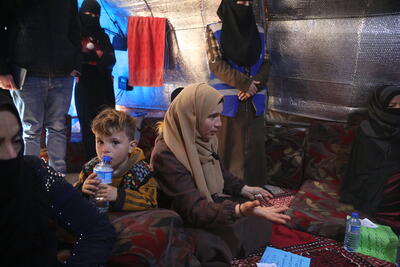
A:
[133, 188]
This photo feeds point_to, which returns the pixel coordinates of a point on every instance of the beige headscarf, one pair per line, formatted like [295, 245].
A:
[180, 131]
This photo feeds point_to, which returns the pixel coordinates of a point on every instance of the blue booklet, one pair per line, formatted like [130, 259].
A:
[284, 259]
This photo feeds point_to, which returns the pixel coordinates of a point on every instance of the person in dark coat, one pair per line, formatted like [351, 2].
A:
[218, 209]
[94, 90]
[372, 181]
[32, 194]
[41, 36]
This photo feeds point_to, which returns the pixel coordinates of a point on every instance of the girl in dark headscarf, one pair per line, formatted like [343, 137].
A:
[31, 194]
[372, 182]
[94, 90]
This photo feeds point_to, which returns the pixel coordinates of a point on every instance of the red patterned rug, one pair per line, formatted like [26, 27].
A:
[281, 201]
[324, 252]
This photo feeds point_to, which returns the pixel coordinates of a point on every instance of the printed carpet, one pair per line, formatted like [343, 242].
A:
[324, 252]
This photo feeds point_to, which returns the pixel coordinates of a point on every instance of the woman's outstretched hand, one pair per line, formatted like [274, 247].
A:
[250, 191]
[273, 214]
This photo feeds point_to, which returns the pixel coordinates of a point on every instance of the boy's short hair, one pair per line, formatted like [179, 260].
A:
[110, 120]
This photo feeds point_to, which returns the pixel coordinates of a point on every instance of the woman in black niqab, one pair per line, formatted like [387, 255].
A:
[89, 14]
[240, 39]
[32, 194]
[375, 156]
[22, 222]
[384, 122]
[95, 88]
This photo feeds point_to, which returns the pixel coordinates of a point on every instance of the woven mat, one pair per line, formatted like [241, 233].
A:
[324, 252]
[282, 201]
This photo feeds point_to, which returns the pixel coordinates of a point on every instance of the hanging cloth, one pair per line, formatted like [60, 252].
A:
[146, 49]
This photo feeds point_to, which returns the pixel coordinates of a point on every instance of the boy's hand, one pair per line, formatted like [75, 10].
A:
[91, 184]
[108, 192]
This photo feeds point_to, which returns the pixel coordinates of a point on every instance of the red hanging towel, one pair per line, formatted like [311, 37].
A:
[146, 43]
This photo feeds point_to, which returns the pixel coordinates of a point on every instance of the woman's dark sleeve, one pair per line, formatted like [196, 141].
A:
[177, 184]
[232, 185]
[107, 61]
[364, 159]
[89, 56]
[95, 235]
[262, 75]
[221, 68]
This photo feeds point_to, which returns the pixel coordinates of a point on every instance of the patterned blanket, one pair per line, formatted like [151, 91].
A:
[324, 252]
[151, 238]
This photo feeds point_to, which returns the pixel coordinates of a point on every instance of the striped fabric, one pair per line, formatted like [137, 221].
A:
[140, 187]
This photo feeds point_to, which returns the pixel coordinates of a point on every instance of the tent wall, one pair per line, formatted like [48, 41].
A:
[327, 55]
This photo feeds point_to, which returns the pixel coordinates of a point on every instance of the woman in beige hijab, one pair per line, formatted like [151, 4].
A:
[211, 201]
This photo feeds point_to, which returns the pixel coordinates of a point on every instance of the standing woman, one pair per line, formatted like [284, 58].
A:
[239, 70]
[94, 90]
[32, 194]
[195, 185]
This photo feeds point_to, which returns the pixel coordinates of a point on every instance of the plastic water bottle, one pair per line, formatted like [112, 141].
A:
[352, 235]
[104, 173]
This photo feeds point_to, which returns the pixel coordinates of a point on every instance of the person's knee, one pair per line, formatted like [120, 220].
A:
[32, 132]
[211, 250]
[56, 127]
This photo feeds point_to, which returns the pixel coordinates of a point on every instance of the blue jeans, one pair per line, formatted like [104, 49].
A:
[44, 102]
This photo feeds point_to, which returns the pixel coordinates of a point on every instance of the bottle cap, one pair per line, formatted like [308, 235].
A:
[355, 215]
[106, 159]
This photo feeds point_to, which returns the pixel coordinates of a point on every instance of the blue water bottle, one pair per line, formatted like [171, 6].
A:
[104, 173]
[352, 235]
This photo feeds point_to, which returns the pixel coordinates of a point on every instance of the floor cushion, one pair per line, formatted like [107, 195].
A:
[285, 148]
[328, 150]
[151, 238]
[315, 209]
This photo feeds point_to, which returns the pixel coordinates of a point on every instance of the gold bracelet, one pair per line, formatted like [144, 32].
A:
[240, 210]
